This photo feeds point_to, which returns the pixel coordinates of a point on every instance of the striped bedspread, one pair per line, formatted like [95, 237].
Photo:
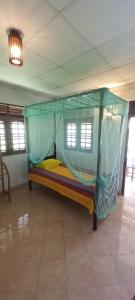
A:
[63, 176]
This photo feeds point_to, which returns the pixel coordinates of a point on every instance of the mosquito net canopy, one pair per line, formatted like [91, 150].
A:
[87, 130]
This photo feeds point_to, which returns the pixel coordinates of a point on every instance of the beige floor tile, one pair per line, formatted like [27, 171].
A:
[36, 216]
[55, 201]
[131, 242]
[109, 228]
[96, 244]
[87, 224]
[130, 288]
[83, 294]
[23, 230]
[2, 296]
[53, 216]
[105, 271]
[71, 214]
[52, 275]
[18, 276]
[21, 296]
[114, 292]
[75, 247]
[22, 250]
[54, 229]
[52, 295]
[44, 218]
[118, 245]
[126, 267]
[5, 218]
[79, 274]
[53, 248]
[36, 231]
[72, 230]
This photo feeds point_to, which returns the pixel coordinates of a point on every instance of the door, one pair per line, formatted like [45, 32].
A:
[129, 158]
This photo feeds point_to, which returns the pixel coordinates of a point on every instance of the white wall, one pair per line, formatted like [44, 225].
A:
[13, 94]
[17, 167]
[17, 164]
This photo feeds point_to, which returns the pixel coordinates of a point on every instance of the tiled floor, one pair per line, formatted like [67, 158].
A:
[48, 250]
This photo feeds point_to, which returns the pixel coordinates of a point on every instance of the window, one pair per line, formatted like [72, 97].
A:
[79, 135]
[17, 135]
[86, 135]
[2, 137]
[71, 135]
[12, 139]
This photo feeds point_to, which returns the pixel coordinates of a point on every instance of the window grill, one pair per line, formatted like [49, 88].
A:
[12, 139]
[86, 135]
[79, 135]
[71, 135]
[17, 135]
[2, 137]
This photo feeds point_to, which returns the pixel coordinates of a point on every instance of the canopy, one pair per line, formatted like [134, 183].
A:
[87, 130]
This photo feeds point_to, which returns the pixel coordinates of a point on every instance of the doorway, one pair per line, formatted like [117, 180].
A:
[128, 184]
[130, 166]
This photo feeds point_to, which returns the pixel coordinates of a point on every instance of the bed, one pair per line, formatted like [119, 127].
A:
[85, 131]
[62, 181]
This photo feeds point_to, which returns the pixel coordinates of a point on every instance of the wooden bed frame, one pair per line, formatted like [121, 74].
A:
[95, 220]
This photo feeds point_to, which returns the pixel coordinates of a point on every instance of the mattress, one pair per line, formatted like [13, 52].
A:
[61, 180]
[63, 176]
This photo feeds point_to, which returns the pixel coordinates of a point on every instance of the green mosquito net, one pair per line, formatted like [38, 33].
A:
[88, 131]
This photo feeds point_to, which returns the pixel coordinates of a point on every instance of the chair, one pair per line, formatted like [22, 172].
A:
[5, 179]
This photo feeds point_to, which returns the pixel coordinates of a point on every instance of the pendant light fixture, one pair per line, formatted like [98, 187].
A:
[15, 47]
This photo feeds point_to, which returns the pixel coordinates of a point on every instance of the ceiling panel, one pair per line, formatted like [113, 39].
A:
[127, 94]
[59, 41]
[119, 51]
[14, 75]
[36, 64]
[106, 79]
[87, 65]
[40, 85]
[4, 50]
[127, 71]
[39, 17]
[60, 4]
[100, 21]
[59, 77]
[59, 36]
[70, 89]
[28, 16]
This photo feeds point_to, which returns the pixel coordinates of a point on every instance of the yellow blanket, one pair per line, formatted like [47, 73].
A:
[65, 172]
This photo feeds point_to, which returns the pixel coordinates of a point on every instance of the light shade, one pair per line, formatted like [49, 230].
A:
[15, 47]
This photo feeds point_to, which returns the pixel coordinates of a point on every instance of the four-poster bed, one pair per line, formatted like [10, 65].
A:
[85, 133]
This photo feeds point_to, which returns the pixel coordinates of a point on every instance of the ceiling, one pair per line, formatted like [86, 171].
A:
[71, 45]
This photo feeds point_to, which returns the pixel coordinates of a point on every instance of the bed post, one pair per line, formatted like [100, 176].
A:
[55, 136]
[30, 185]
[95, 220]
[55, 150]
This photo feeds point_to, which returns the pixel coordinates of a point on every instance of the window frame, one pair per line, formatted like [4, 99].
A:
[1, 120]
[78, 134]
[7, 118]
[65, 135]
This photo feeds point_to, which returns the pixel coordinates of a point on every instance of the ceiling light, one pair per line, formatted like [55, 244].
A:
[15, 47]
